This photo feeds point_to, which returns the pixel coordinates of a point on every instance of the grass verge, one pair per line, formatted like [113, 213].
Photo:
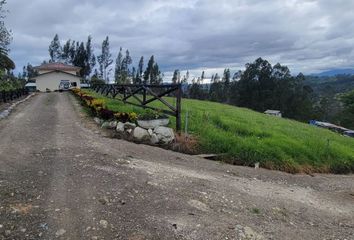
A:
[246, 137]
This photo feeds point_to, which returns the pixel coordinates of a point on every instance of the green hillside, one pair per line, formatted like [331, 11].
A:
[247, 137]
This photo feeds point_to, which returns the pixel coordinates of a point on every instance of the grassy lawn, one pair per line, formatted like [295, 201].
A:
[247, 137]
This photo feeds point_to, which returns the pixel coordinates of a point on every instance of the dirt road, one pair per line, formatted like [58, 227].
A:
[60, 178]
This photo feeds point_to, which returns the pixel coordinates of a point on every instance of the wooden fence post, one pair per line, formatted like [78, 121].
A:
[178, 109]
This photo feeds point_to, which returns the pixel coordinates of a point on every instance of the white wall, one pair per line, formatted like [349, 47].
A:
[52, 80]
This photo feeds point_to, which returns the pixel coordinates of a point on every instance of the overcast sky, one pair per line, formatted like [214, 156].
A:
[307, 35]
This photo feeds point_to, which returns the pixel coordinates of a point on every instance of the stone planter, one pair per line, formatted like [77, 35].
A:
[153, 123]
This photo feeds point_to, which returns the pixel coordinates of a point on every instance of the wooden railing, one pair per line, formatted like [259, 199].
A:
[146, 94]
[6, 96]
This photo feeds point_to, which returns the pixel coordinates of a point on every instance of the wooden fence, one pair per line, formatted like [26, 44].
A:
[146, 94]
[6, 96]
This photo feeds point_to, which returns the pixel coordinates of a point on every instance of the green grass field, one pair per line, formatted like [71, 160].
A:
[247, 137]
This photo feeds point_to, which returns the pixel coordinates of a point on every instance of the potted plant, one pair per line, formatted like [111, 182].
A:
[152, 119]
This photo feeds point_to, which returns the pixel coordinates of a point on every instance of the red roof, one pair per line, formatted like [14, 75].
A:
[57, 66]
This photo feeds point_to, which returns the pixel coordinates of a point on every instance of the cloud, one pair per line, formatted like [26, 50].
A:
[306, 35]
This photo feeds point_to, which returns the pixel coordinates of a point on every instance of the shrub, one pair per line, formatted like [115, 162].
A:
[76, 91]
[150, 114]
[97, 104]
[122, 117]
[133, 117]
[125, 117]
[105, 114]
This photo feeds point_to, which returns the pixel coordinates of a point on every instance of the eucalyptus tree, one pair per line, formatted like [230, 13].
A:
[105, 60]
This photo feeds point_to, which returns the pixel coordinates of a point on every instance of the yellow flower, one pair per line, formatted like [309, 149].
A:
[133, 116]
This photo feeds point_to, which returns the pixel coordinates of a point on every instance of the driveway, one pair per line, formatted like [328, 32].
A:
[62, 178]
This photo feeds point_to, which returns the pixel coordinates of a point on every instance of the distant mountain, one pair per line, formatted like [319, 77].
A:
[333, 72]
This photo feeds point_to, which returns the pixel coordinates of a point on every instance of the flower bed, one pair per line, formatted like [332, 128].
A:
[99, 109]
[126, 125]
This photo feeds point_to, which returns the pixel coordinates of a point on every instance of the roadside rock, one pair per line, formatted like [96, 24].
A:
[150, 131]
[109, 124]
[129, 125]
[104, 223]
[154, 139]
[140, 134]
[250, 234]
[247, 233]
[120, 127]
[60, 232]
[164, 134]
[98, 120]
[4, 114]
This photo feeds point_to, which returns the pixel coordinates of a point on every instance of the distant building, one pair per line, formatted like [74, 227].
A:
[50, 75]
[276, 113]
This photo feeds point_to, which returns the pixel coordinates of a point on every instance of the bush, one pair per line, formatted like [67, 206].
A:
[105, 114]
[150, 114]
[97, 104]
[126, 117]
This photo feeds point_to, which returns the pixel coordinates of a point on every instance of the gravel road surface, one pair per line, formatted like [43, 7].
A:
[62, 178]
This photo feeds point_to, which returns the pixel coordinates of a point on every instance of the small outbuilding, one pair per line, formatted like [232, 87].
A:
[51, 75]
[276, 113]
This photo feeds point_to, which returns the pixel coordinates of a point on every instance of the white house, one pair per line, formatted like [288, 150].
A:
[50, 75]
[276, 113]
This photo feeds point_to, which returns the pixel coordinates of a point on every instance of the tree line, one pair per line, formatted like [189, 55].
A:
[329, 103]
[260, 86]
[82, 55]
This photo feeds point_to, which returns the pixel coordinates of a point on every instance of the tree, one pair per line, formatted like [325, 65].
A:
[186, 76]
[72, 52]
[176, 76]
[254, 85]
[237, 75]
[196, 90]
[96, 79]
[263, 86]
[55, 49]
[6, 62]
[118, 67]
[65, 56]
[226, 79]
[105, 60]
[140, 71]
[122, 71]
[149, 72]
[90, 60]
[28, 72]
[134, 79]
[212, 78]
[346, 117]
[216, 90]
[125, 72]
[202, 77]
[156, 77]
[348, 101]
[80, 58]
[5, 34]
